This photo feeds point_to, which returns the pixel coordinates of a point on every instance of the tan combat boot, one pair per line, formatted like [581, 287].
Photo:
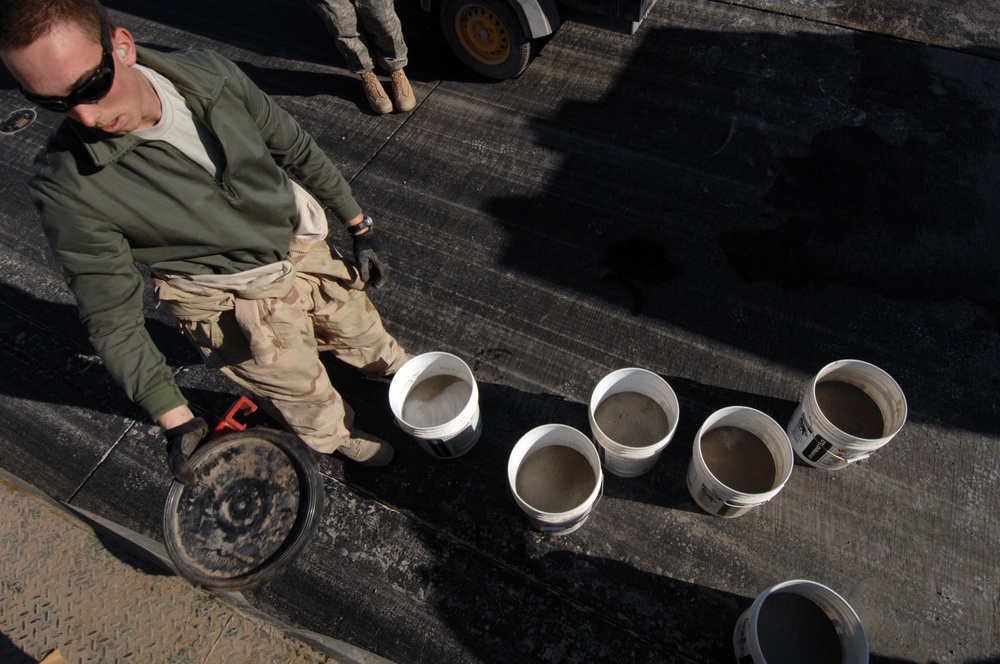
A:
[375, 93]
[402, 92]
[366, 449]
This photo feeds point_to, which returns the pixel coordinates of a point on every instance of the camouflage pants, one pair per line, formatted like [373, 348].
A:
[270, 343]
[379, 26]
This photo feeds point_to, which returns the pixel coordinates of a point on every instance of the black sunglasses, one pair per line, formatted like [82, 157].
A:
[91, 91]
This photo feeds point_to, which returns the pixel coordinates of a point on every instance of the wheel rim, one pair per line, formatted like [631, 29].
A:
[256, 504]
[482, 34]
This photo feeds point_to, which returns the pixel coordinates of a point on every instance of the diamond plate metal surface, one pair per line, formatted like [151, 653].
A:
[62, 587]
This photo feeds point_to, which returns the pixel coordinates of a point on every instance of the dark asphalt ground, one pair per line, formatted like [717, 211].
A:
[732, 197]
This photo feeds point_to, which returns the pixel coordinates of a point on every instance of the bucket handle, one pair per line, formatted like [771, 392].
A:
[823, 444]
[831, 453]
[727, 506]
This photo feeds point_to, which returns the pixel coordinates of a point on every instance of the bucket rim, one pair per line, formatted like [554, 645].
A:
[846, 439]
[786, 451]
[524, 442]
[853, 627]
[630, 452]
[411, 373]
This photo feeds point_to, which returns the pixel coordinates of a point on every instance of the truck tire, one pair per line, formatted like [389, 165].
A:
[487, 36]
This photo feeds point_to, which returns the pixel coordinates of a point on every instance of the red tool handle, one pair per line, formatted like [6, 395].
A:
[243, 407]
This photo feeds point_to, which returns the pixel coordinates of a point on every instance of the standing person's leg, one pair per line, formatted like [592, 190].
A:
[381, 23]
[341, 20]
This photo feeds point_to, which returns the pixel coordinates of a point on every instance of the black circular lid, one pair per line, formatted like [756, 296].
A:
[255, 503]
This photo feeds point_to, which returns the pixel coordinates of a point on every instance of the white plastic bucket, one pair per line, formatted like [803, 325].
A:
[632, 440]
[817, 428]
[795, 630]
[557, 498]
[730, 473]
[435, 399]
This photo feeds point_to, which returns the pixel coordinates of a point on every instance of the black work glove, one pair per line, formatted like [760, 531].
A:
[181, 443]
[371, 255]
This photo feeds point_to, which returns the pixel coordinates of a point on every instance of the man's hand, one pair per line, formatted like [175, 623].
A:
[370, 255]
[182, 441]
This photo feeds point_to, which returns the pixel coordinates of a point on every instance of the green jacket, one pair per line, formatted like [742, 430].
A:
[107, 201]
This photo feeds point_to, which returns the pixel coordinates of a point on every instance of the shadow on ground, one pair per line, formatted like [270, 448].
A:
[11, 654]
[802, 197]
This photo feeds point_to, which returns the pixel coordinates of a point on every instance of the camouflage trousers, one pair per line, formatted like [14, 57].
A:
[268, 339]
[379, 29]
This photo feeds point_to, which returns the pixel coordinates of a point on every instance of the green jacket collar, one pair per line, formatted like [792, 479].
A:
[200, 87]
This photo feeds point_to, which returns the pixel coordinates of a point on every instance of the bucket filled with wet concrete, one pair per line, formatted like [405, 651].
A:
[741, 459]
[800, 621]
[255, 503]
[633, 416]
[850, 409]
[434, 398]
[554, 475]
